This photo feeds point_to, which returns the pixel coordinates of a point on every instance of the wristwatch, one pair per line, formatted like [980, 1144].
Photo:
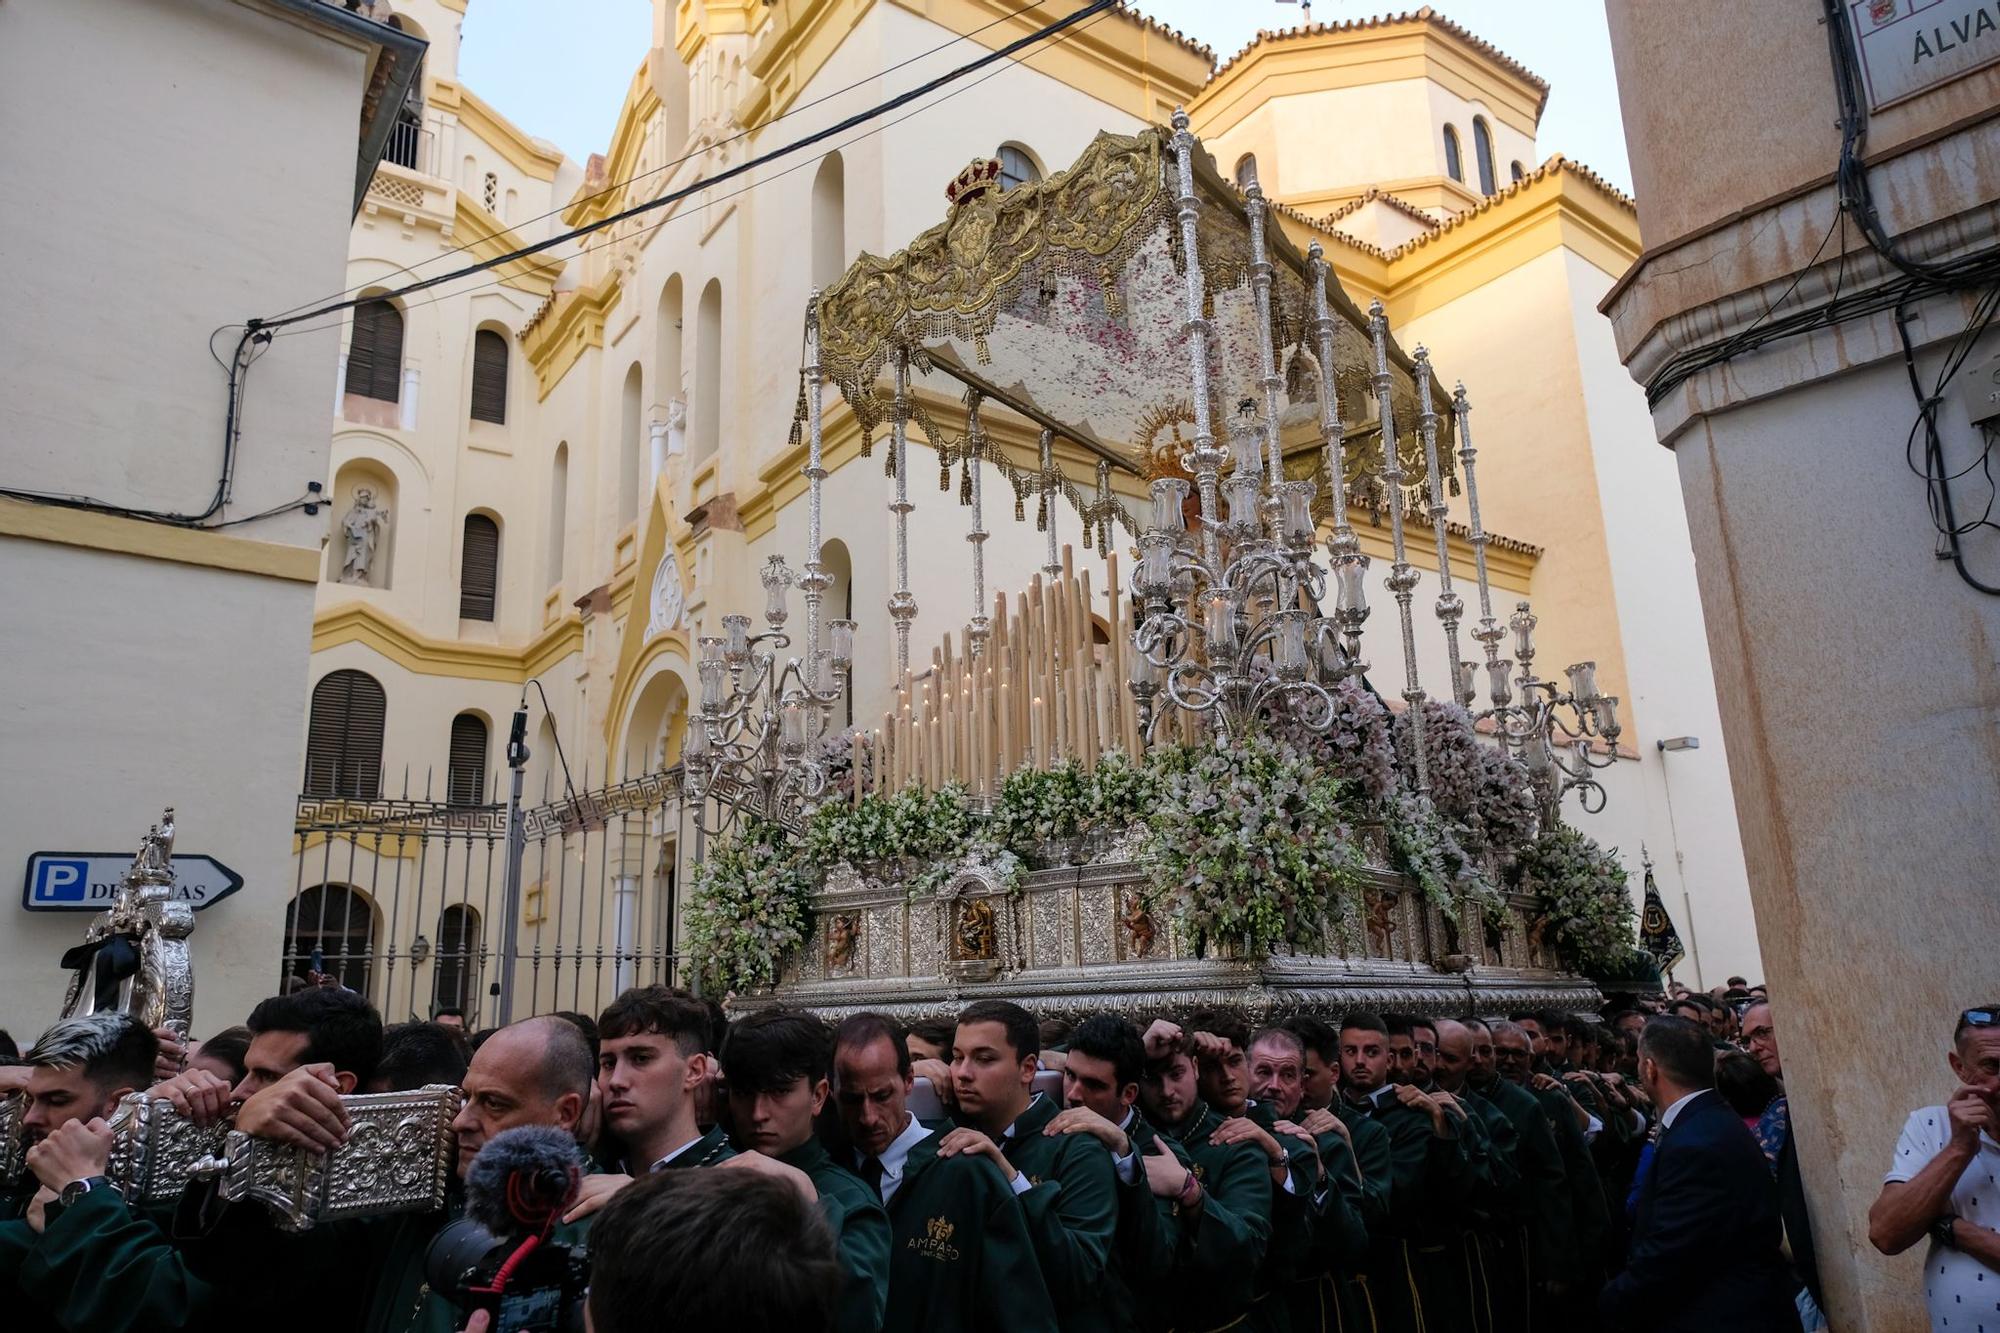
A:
[1941, 1231]
[76, 1189]
[1283, 1161]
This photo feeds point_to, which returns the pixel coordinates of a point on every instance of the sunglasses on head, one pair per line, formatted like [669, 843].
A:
[1979, 1018]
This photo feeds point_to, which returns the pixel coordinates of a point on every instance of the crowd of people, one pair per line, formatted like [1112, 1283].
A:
[1370, 1174]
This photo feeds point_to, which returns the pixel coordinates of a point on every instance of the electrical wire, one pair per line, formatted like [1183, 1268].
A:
[795, 109]
[708, 182]
[538, 267]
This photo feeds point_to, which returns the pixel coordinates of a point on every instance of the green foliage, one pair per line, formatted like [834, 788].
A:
[750, 905]
[1249, 842]
[1582, 887]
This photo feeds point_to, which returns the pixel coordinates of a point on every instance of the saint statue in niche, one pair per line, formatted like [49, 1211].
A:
[841, 934]
[978, 937]
[363, 527]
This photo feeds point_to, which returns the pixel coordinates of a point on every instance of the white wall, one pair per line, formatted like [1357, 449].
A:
[146, 208]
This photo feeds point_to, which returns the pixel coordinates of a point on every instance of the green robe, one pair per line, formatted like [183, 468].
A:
[962, 1261]
[1149, 1232]
[1493, 1241]
[1548, 1235]
[860, 1227]
[1410, 1285]
[1589, 1214]
[1339, 1244]
[1072, 1210]
[100, 1264]
[1220, 1247]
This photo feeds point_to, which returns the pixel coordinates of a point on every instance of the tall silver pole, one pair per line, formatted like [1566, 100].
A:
[978, 627]
[1343, 548]
[517, 849]
[1490, 631]
[1402, 579]
[1049, 494]
[1205, 456]
[902, 604]
[815, 580]
[1450, 606]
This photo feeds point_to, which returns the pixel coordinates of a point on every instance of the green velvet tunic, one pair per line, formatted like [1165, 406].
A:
[1221, 1246]
[1072, 1211]
[860, 1227]
[961, 1260]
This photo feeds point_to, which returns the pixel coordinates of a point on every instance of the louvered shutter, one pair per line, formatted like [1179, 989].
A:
[466, 777]
[480, 568]
[375, 354]
[489, 377]
[344, 736]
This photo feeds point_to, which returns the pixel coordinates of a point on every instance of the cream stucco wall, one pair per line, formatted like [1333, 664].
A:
[137, 682]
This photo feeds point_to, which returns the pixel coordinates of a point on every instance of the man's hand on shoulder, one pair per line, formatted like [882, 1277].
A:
[971, 1143]
[772, 1167]
[592, 1193]
[1083, 1120]
[301, 1110]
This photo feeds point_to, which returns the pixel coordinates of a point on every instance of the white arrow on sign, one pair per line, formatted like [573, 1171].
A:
[88, 881]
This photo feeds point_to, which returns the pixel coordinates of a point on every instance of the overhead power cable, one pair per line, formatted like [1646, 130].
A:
[707, 182]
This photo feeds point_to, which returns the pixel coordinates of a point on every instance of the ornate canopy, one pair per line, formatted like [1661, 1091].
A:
[1066, 301]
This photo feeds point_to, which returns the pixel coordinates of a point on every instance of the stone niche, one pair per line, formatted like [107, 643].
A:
[1079, 939]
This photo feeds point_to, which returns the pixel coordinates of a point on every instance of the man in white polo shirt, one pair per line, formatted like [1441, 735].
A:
[1945, 1184]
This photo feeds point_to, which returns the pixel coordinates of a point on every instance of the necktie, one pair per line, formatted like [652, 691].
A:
[871, 1171]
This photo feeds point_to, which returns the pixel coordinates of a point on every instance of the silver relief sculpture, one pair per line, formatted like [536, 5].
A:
[134, 957]
[360, 532]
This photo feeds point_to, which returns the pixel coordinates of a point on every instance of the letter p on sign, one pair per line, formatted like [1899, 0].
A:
[60, 881]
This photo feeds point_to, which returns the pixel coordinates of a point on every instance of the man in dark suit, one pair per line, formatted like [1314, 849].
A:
[1705, 1246]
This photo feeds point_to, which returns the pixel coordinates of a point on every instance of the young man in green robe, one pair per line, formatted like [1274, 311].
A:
[960, 1260]
[1545, 1238]
[1426, 1181]
[1222, 1206]
[1067, 1183]
[1571, 1287]
[1367, 1141]
[775, 1064]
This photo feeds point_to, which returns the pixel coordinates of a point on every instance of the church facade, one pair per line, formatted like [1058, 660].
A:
[549, 480]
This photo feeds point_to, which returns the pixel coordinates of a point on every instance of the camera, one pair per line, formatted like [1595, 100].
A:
[527, 1286]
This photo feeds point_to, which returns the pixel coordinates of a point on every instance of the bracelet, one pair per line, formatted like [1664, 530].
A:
[1942, 1233]
[1190, 1191]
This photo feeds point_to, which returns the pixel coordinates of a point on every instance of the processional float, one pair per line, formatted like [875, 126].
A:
[134, 960]
[1140, 312]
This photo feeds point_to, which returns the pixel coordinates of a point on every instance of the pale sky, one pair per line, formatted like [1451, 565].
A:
[565, 81]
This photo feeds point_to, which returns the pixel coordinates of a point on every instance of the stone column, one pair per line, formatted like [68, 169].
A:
[1859, 675]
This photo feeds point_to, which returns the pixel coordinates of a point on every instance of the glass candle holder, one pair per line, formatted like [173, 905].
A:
[1219, 622]
[1289, 647]
[1466, 677]
[792, 724]
[1582, 682]
[1523, 623]
[776, 578]
[1297, 497]
[842, 635]
[713, 687]
[1499, 687]
[1607, 716]
[1350, 586]
[736, 648]
[711, 648]
[1170, 504]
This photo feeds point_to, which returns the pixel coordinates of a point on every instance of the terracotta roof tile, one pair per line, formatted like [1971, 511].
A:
[1373, 195]
[1423, 15]
[1152, 24]
[1554, 166]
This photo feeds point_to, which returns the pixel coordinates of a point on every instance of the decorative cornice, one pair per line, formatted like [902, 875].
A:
[565, 328]
[382, 633]
[1425, 16]
[534, 157]
[1555, 166]
[157, 541]
[486, 238]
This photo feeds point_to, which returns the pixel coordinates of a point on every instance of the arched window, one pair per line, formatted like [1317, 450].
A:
[707, 410]
[344, 736]
[465, 775]
[829, 221]
[375, 353]
[479, 570]
[489, 377]
[455, 980]
[329, 928]
[1016, 167]
[1515, 170]
[1454, 165]
[1246, 171]
[630, 425]
[558, 512]
[1482, 153]
[667, 345]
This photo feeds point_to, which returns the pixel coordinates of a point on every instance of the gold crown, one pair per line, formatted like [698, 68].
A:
[940, 1230]
[978, 177]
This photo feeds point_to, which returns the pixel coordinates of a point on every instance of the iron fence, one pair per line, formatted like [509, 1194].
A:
[404, 899]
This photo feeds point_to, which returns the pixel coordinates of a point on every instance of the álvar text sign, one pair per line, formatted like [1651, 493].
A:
[1906, 46]
[88, 881]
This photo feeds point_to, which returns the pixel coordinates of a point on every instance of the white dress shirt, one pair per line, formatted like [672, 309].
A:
[897, 1155]
[1667, 1117]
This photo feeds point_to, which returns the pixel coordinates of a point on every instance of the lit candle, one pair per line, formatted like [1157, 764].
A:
[1039, 731]
[1219, 619]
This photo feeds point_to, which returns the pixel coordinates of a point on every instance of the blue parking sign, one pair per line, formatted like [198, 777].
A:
[63, 881]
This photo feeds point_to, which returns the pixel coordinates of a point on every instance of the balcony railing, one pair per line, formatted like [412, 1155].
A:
[409, 146]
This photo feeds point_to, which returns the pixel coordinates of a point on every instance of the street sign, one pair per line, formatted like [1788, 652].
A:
[1906, 46]
[88, 881]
